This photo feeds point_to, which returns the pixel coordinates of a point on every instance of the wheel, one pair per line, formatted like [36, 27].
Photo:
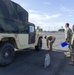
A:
[6, 54]
[39, 45]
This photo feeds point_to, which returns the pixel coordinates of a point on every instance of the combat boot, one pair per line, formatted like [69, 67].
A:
[68, 54]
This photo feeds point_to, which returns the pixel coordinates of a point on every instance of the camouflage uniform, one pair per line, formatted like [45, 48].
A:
[50, 41]
[72, 50]
[68, 36]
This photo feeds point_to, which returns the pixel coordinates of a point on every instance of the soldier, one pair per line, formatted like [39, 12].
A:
[50, 40]
[73, 28]
[72, 48]
[68, 36]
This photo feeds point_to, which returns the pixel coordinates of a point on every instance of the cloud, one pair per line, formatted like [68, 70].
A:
[39, 16]
[47, 3]
[52, 16]
[42, 19]
[32, 11]
[64, 9]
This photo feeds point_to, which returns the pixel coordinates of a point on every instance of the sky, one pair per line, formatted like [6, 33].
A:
[49, 14]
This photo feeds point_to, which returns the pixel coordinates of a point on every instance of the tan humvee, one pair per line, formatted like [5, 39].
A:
[16, 32]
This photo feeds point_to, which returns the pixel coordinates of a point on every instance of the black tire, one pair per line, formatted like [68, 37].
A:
[39, 45]
[7, 54]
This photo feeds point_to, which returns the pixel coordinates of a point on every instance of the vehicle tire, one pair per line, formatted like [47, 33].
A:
[39, 45]
[7, 54]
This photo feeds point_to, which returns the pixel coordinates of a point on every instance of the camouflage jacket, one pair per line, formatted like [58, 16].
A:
[72, 41]
[68, 34]
[51, 38]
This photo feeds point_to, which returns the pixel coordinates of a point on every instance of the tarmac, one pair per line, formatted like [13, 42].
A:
[30, 62]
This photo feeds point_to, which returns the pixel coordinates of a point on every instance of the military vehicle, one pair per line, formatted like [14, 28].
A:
[16, 32]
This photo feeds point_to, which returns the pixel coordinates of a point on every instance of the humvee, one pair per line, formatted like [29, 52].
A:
[16, 33]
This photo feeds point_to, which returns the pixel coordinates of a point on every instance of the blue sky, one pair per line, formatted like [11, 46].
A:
[49, 14]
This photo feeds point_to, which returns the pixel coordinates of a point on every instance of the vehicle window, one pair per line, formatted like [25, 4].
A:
[31, 28]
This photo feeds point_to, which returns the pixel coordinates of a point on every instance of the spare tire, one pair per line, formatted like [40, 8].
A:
[39, 45]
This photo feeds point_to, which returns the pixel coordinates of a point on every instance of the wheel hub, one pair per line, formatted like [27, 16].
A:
[6, 54]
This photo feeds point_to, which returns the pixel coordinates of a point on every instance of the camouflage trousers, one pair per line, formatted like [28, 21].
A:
[69, 46]
[72, 53]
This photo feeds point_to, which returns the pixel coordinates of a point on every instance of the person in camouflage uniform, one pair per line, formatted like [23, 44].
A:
[50, 40]
[68, 35]
[72, 48]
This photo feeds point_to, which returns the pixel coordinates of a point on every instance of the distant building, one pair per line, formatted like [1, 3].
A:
[61, 29]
